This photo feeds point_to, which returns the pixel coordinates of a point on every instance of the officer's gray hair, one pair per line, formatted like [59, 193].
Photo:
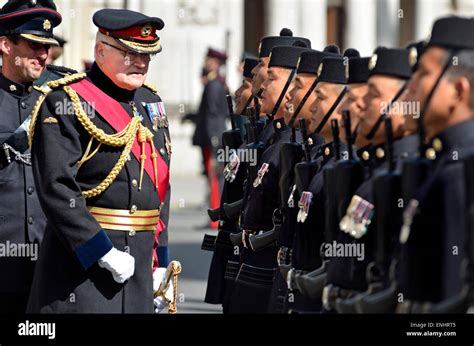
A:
[100, 37]
[463, 66]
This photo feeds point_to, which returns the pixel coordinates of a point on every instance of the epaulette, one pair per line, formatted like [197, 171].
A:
[54, 84]
[44, 90]
[151, 87]
[61, 69]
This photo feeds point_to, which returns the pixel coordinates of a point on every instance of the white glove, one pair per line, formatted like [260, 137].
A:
[119, 263]
[160, 302]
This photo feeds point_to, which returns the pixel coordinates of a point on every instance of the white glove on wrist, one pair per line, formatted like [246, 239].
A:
[161, 302]
[119, 263]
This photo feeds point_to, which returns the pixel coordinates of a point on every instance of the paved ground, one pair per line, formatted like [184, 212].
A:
[185, 240]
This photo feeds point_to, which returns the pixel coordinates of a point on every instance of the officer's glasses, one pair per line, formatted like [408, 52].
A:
[129, 55]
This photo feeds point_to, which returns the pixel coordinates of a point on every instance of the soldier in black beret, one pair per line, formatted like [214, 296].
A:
[104, 177]
[432, 237]
[26, 33]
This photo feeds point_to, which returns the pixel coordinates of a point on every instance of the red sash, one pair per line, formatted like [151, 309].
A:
[112, 112]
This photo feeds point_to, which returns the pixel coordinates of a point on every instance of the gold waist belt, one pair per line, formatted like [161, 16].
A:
[126, 220]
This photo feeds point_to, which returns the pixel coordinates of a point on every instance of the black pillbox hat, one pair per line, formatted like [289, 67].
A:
[392, 62]
[286, 56]
[332, 70]
[249, 64]
[286, 38]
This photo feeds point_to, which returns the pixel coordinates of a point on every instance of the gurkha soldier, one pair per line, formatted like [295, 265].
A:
[260, 72]
[103, 176]
[309, 225]
[254, 280]
[297, 106]
[388, 71]
[432, 238]
[338, 179]
[218, 287]
[26, 33]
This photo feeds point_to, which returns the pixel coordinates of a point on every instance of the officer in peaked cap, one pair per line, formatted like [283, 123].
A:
[104, 177]
[26, 33]
[433, 234]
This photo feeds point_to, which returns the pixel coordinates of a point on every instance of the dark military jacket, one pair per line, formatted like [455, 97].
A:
[67, 277]
[309, 234]
[22, 221]
[210, 120]
[431, 254]
[350, 272]
[262, 199]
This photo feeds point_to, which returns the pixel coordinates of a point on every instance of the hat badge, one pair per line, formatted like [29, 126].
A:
[346, 70]
[373, 62]
[413, 56]
[320, 69]
[146, 30]
[298, 63]
[46, 24]
[260, 47]
[33, 2]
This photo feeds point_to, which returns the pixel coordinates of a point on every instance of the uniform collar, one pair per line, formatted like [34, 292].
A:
[106, 85]
[453, 136]
[279, 125]
[365, 154]
[404, 146]
[14, 88]
[316, 139]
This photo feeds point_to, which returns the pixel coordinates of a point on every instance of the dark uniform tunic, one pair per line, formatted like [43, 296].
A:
[254, 281]
[21, 218]
[350, 272]
[68, 278]
[430, 261]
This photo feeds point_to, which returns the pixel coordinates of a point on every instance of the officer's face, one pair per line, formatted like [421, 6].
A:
[380, 92]
[24, 60]
[242, 94]
[260, 74]
[301, 85]
[128, 70]
[438, 115]
[326, 95]
[272, 88]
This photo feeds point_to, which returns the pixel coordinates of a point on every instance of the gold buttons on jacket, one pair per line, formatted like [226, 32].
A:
[380, 153]
[365, 155]
[134, 183]
[133, 209]
[430, 154]
[437, 145]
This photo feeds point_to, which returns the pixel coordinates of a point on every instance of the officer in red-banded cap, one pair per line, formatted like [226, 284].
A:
[104, 176]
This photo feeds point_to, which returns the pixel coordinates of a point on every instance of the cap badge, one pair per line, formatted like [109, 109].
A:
[260, 47]
[146, 30]
[373, 62]
[413, 56]
[346, 69]
[320, 69]
[46, 24]
[33, 2]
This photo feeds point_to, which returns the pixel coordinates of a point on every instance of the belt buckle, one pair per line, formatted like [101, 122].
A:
[325, 296]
